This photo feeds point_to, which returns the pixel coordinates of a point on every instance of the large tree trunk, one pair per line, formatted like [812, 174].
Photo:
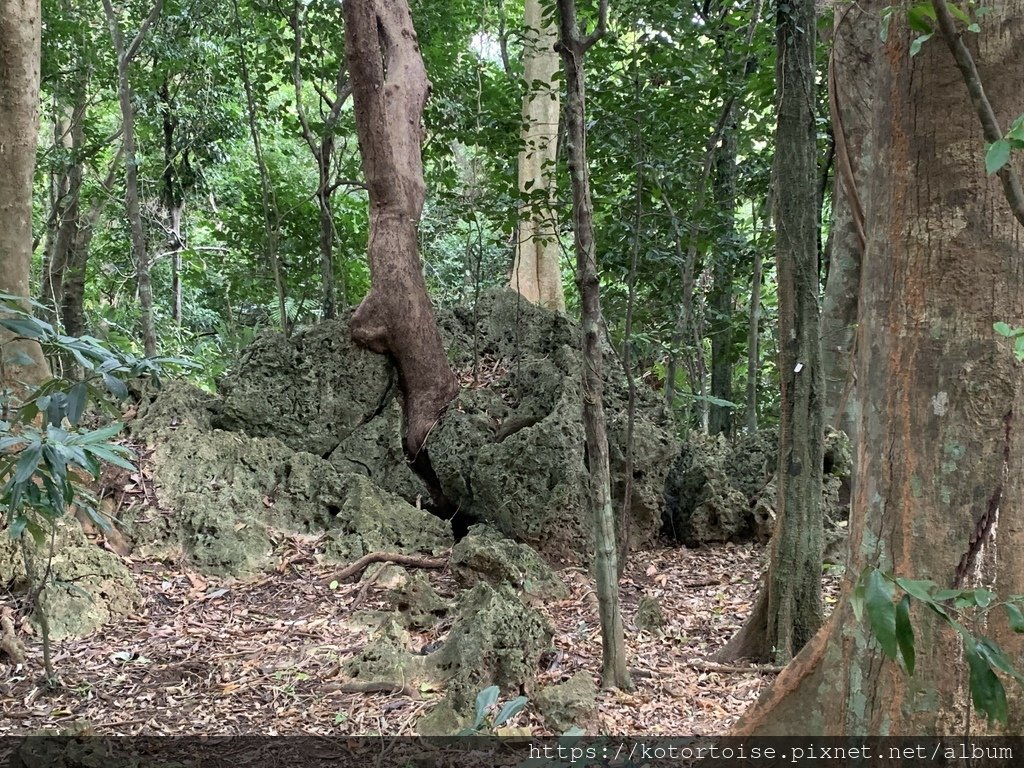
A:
[938, 493]
[389, 91]
[536, 273]
[21, 361]
[788, 612]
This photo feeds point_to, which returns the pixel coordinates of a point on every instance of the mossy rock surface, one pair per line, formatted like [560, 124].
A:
[572, 703]
[88, 586]
[495, 640]
[486, 555]
[225, 494]
[720, 492]
[512, 454]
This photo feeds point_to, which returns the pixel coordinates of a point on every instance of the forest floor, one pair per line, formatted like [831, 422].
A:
[211, 656]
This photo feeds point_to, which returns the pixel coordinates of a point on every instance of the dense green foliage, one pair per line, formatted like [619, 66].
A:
[657, 90]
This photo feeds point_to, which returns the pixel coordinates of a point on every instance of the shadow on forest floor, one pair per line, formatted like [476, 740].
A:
[221, 656]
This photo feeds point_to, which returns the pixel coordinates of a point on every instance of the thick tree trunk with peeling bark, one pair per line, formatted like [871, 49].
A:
[939, 493]
[389, 90]
[536, 273]
[22, 360]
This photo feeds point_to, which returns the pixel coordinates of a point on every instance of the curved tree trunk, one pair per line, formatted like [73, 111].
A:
[22, 360]
[389, 90]
[536, 273]
[938, 493]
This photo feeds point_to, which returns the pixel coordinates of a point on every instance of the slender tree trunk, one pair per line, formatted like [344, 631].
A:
[754, 333]
[21, 360]
[72, 307]
[133, 209]
[573, 47]
[69, 134]
[389, 91]
[788, 611]
[938, 493]
[322, 149]
[173, 196]
[720, 417]
[271, 216]
[536, 273]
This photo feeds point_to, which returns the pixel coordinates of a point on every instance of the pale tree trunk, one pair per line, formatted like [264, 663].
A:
[938, 493]
[788, 611]
[21, 361]
[573, 47]
[536, 272]
[389, 91]
[140, 255]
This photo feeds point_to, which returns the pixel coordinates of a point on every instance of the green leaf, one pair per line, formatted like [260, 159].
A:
[101, 435]
[919, 19]
[878, 596]
[987, 690]
[11, 440]
[17, 526]
[919, 588]
[28, 461]
[27, 327]
[996, 659]
[997, 156]
[115, 386]
[36, 532]
[887, 15]
[510, 710]
[486, 699]
[104, 453]
[915, 46]
[959, 12]
[1015, 617]
[1002, 329]
[77, 398]
[905, 633]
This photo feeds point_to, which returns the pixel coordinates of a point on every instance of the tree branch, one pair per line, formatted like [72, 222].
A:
[989, 123]
[141, 34]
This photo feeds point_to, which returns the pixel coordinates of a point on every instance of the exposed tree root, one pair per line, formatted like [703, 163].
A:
[358, 686]
[412, 561]
[750, 669]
